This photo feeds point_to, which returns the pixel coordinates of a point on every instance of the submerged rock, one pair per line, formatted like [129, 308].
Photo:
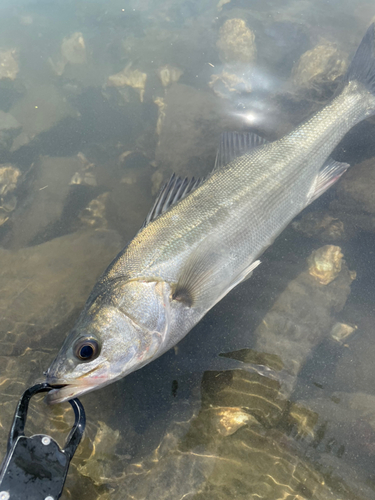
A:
[225, 84]
[160, 103]
[8, 64]
[355, 200]
[232, 450]
[169, 74]
[304, 313]
[320, 225]
[45, 285]
[129, 77]
[73, 51]
[281, 44]
[188, 146]
[355, 370]
[94, 215]
[357, 187]
[325, 263]
[345, 427]
[46, 199]
[236, 42]
[86, 174]
[8, 122]
[9, 129]
[318, 69]
[352, 210]
[42, 107]
[98, 466]
[9, 178]
[340, 331]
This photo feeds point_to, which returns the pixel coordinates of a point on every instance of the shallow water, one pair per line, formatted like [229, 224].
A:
[266, 397]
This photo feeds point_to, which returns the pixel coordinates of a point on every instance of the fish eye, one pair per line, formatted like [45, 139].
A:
[86, 349]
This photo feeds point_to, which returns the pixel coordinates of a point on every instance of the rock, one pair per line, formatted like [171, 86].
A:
[8, 64]
[40, 109]
[321, 225]
[318, 69]
[9, 129]
[355, 370]
[46, 199]
[130, 200]
[225, 84]
[221, 4]
[303, 314]
[325, 264]
[211, 461]
[131, 78]
[43, 286]
[281, 44]
[86, 174]
[340, 331]
[348, 425]
[169, 74]
[160, 103]
[188, 145]
[8, 122]
[98, 466]
[9, 178]
[94, 215]
[351, 211]
[355, 200]
[73, 51]
[236, 42]
[357, 188]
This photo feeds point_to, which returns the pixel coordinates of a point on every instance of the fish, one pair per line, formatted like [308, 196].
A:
[203, 237]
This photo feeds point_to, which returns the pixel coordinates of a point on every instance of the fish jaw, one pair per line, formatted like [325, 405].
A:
[64, 392]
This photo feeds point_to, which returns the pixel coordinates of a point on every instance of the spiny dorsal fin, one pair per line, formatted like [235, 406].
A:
[172, 192]
[234, 144]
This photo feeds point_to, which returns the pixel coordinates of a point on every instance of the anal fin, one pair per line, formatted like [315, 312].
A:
[329, 174]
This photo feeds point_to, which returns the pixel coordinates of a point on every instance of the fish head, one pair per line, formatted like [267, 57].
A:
[117, 333]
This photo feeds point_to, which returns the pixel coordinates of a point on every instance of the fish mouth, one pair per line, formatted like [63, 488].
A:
[64, 392]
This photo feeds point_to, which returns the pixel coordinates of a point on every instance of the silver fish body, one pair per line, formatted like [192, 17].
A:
[186, 259]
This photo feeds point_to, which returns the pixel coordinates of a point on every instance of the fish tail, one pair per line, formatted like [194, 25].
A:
[362, 67]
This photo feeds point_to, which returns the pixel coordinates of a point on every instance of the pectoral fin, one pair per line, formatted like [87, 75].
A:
[202, 281]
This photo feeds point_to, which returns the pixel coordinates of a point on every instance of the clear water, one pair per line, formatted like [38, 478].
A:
[287, 411]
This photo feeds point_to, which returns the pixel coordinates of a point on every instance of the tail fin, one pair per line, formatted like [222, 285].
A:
[362, 67]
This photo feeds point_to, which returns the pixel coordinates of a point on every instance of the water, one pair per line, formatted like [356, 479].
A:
[286, 411]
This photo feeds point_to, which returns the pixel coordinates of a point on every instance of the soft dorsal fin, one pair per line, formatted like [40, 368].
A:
[234, 144]
[172, 192]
